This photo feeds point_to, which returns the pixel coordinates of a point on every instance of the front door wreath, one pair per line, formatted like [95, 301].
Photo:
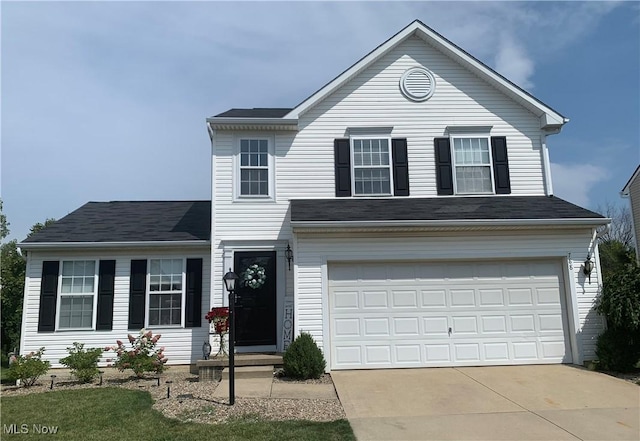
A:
[254, 276]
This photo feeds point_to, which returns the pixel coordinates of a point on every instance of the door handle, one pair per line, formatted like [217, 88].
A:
[449, 331]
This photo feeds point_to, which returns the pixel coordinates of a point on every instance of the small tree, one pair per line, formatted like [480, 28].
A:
[303, 358]
[82, 362]
[618, 348]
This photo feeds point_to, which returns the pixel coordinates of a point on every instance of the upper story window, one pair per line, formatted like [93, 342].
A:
[371, 166]
[165, 292]
[255, 168]
[472, 165]
[78, 281]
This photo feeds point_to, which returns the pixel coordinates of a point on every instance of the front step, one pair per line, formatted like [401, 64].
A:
[211, 370]
[249, 372]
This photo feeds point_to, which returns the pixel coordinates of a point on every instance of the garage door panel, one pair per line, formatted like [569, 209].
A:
[491, 298]
[495, 314]
[404, 299]
[462, 297]
[375, 299]
[434, 298]
[376, 326]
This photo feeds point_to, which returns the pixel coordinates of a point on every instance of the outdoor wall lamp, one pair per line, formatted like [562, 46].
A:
[588, 267]
[289, 255]
[230, 280]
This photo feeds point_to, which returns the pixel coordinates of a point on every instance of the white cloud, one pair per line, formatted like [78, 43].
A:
[574, 182]
[513, 62]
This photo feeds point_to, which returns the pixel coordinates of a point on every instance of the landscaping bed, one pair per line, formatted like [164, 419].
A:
[192, 400]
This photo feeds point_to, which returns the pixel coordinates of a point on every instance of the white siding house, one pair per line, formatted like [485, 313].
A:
[403, 215]
[632, 191]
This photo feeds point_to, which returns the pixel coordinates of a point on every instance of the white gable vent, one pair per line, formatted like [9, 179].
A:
[417, 84]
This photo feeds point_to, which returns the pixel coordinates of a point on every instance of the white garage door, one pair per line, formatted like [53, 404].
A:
[387, 315]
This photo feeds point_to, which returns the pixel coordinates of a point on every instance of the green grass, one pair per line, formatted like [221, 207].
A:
[114, 413]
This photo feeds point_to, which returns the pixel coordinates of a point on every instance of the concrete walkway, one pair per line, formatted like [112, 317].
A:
[267, 388]
[551, 402]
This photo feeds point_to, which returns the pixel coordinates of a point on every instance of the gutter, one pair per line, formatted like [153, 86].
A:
[453, 223]
[108, 245]
[218, 121]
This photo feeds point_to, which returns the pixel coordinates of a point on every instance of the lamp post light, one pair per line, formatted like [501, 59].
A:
[230, 280]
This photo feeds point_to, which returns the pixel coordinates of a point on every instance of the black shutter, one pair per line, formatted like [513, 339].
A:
[400, 167]
[500, 165]
[137, 293]
[106, 282]
[48, 296]
[342, 152]
[193, 307]
[444, 171]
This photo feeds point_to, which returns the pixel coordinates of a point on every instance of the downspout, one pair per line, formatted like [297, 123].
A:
[547, 166]
[212, 280]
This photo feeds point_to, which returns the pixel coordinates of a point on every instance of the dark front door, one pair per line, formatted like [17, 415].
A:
[255, 298]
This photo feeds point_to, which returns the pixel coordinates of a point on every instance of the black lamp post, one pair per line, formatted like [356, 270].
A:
[230, 280]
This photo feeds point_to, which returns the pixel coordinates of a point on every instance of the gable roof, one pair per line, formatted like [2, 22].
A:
[549, 117]
[634, 176]
[130, 222]
[442, 211]
[256, 112]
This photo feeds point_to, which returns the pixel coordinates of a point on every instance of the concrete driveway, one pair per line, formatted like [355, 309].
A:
[550, 402]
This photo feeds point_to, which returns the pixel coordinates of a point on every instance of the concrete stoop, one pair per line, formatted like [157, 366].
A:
[249, 372]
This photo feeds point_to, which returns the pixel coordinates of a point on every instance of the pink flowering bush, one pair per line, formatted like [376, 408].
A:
[142, 356]
[28, 368]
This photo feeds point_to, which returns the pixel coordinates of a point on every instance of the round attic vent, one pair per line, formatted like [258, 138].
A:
[417, 84]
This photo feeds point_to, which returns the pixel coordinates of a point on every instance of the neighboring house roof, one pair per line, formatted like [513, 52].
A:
[443, 211]
[129, 221]
[549, 118]
[256, 112]
[634, 176]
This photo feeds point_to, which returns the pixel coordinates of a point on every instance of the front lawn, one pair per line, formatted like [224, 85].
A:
[116, 413]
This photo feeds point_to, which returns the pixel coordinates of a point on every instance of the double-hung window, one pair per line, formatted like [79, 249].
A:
[371, 166]
[78, 283]
[472, 164]
[254, 168]
[166, 289]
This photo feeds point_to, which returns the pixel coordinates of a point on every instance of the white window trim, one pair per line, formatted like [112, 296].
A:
[237, 196]
[352, 166]
[454, 165]
[60, 294]
[148, 293]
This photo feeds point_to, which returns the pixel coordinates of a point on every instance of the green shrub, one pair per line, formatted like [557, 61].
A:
[142, 356]
[82, 362]
[620, 298]
[303, 358]
[618, 350]
[28, 368]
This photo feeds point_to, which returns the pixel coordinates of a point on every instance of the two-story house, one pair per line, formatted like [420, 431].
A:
[403, 215]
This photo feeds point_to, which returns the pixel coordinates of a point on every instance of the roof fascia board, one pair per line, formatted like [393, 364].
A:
[137, 244]
[453, 223]
[627, 187]
[552, 117]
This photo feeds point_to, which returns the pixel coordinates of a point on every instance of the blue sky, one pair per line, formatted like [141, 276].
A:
[107, 101]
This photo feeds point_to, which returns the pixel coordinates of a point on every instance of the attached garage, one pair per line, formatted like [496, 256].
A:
[447, 313]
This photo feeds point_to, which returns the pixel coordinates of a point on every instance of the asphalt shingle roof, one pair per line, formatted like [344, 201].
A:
[131, 221]
[436, 208]
[256, 112]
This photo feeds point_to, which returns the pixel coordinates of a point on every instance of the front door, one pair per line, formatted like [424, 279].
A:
[255, 298]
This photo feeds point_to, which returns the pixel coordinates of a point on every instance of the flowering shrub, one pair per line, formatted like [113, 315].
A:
[220, 319]
[143, 355]
[82, 362]
[28, 368]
